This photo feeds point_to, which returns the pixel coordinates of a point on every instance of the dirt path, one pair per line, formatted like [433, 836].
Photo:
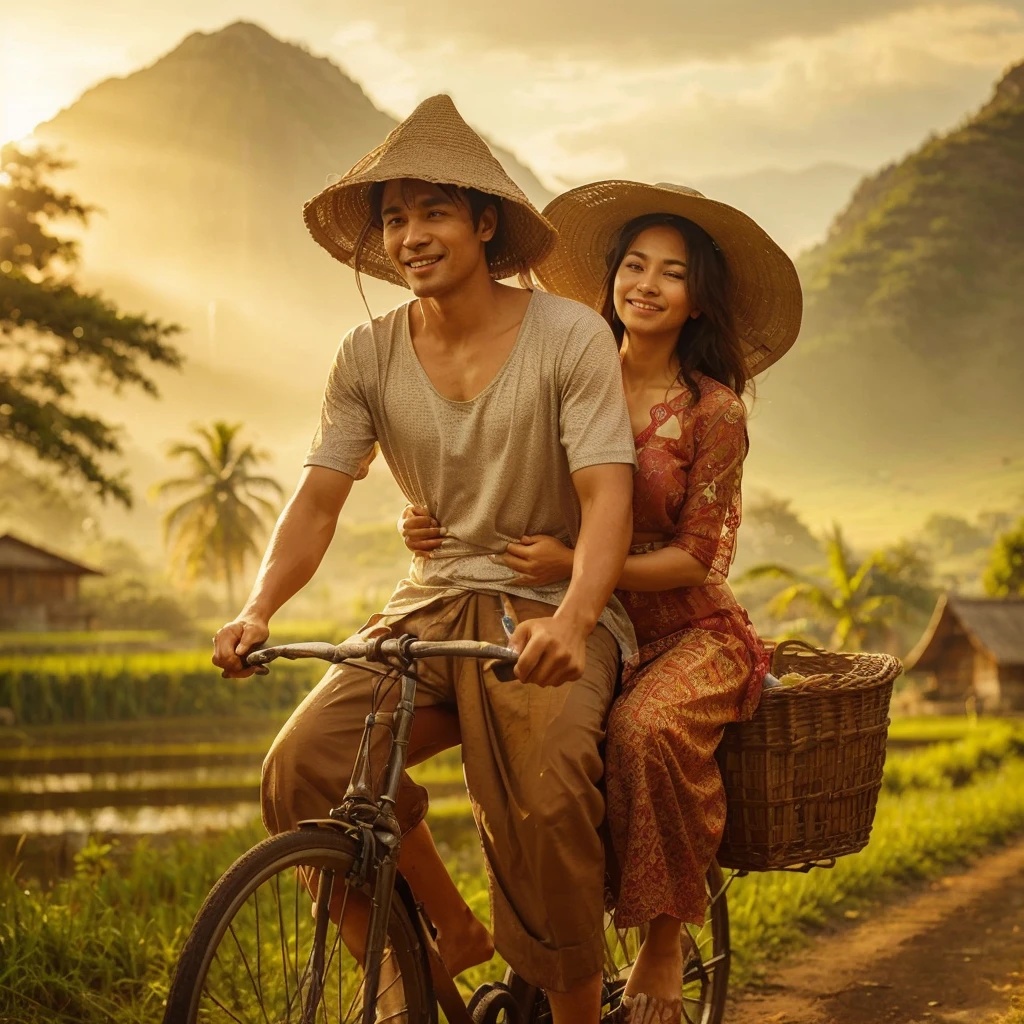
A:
[951, 953]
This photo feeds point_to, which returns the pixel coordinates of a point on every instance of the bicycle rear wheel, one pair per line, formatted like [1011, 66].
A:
[706, 972]
[256, 956]
[705, 980]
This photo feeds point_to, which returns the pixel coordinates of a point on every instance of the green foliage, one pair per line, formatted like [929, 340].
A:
[224, 510]
[845, 602]
[114, 687]
[929, 251]
[952, 535]
[953, 764]
[1004, 576]
[773, 532]
[132, 601]
[941, 728]
[82, 640]
[52, 334]
[100, 946]
[917, 835]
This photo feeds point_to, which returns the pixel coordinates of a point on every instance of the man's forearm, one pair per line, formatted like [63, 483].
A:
[297, 546]
[606, 526]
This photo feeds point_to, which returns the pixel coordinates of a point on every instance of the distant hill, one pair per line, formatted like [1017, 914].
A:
[900, 398]
[794, 207]
[910, 363]
[200, 164]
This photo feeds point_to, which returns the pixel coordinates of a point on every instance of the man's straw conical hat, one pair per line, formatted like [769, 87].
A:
[764, 287]
[432, 144]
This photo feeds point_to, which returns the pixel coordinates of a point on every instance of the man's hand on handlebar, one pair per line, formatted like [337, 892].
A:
[552, 651]
[235, 639]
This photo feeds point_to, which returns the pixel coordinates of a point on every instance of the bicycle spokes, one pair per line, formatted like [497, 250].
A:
[283, 958]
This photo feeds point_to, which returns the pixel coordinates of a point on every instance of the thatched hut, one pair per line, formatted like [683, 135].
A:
[39, 589]
[973, 652]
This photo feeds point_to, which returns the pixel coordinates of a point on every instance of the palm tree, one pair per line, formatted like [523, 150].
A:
[845, 601]
[225, 508]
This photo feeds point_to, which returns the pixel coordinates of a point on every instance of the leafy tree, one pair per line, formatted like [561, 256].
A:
[53, 334]
[772, 531]
[1004, 576]
[224, 511]
[951, 535]
[904, 571]
[844, 601]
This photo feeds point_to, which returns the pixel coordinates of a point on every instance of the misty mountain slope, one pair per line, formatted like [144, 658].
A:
[201, 164]
[794, 207]
[910, 357]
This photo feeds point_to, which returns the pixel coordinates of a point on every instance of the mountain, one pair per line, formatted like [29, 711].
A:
[794, 207]
[909, 368]
[199, 165]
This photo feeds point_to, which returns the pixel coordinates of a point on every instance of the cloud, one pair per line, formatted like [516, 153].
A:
[658, 30]
[866, 95]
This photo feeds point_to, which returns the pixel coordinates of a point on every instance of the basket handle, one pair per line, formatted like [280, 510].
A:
[783, 651]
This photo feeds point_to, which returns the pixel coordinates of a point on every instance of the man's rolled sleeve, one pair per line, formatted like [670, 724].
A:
[593, 417]
[345, 438]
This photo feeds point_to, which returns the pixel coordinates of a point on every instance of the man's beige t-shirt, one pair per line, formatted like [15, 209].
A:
[493, 468]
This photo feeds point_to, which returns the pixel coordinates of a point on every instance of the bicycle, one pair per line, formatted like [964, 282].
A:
[238, 964]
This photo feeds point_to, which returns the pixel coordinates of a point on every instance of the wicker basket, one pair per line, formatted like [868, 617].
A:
[802, 776]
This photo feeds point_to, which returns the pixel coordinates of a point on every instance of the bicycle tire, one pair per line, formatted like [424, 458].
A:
[532, 1002]
[277, 854]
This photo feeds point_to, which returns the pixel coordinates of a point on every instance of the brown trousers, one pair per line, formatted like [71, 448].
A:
[532, 766]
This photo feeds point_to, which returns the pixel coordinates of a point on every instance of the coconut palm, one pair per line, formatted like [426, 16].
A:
[845, 600]
[226, 508]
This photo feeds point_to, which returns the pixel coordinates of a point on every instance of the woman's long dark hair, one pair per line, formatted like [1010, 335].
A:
[708, 343]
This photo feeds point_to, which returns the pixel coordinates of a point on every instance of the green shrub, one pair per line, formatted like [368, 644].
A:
[55, 689]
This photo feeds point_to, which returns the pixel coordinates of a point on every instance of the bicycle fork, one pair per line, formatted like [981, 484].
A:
[388, 834]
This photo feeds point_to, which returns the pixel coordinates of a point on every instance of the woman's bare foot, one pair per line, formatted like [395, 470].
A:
[658, 970]
[464, 945]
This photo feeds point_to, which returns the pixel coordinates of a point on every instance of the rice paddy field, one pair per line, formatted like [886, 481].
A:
[130, 783]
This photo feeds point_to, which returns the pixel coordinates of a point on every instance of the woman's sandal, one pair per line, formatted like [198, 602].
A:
[645, 1009]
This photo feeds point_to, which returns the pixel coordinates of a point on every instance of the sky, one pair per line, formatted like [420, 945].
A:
[665, 90]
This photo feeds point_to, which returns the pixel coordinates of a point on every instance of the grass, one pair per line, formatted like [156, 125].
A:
[941, 728]
[99, 946]
[83, 688]
[954, 764]
[917, 835]
[81, 639]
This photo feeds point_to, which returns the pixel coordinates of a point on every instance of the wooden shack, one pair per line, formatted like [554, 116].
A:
[972, 653]
[39, 589]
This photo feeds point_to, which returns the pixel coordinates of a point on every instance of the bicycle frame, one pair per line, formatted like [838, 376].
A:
[382, 838]
[373, 817]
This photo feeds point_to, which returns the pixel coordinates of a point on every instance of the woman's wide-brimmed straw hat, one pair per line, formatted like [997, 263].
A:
[765, 289]
[432, 144]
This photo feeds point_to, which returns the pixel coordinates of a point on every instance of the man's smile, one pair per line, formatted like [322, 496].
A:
[422, 261]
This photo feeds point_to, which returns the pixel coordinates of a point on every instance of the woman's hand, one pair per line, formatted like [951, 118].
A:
[421, 533]
[538, 560]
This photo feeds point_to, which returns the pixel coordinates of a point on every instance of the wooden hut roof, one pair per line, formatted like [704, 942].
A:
[995, 625]
[19, 555]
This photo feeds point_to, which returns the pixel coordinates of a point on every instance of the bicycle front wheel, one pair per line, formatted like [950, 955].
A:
[256, 956]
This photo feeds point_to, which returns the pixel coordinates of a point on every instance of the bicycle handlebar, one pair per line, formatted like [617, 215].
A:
[405, 649]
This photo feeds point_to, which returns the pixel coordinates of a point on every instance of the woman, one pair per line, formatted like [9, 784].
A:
[699, 299]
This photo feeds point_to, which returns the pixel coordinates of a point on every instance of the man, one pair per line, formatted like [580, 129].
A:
[502, 410]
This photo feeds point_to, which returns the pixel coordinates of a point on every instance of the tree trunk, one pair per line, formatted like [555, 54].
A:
[229, 580]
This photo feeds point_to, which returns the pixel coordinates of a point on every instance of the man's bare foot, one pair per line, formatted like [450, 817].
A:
[464, 945]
